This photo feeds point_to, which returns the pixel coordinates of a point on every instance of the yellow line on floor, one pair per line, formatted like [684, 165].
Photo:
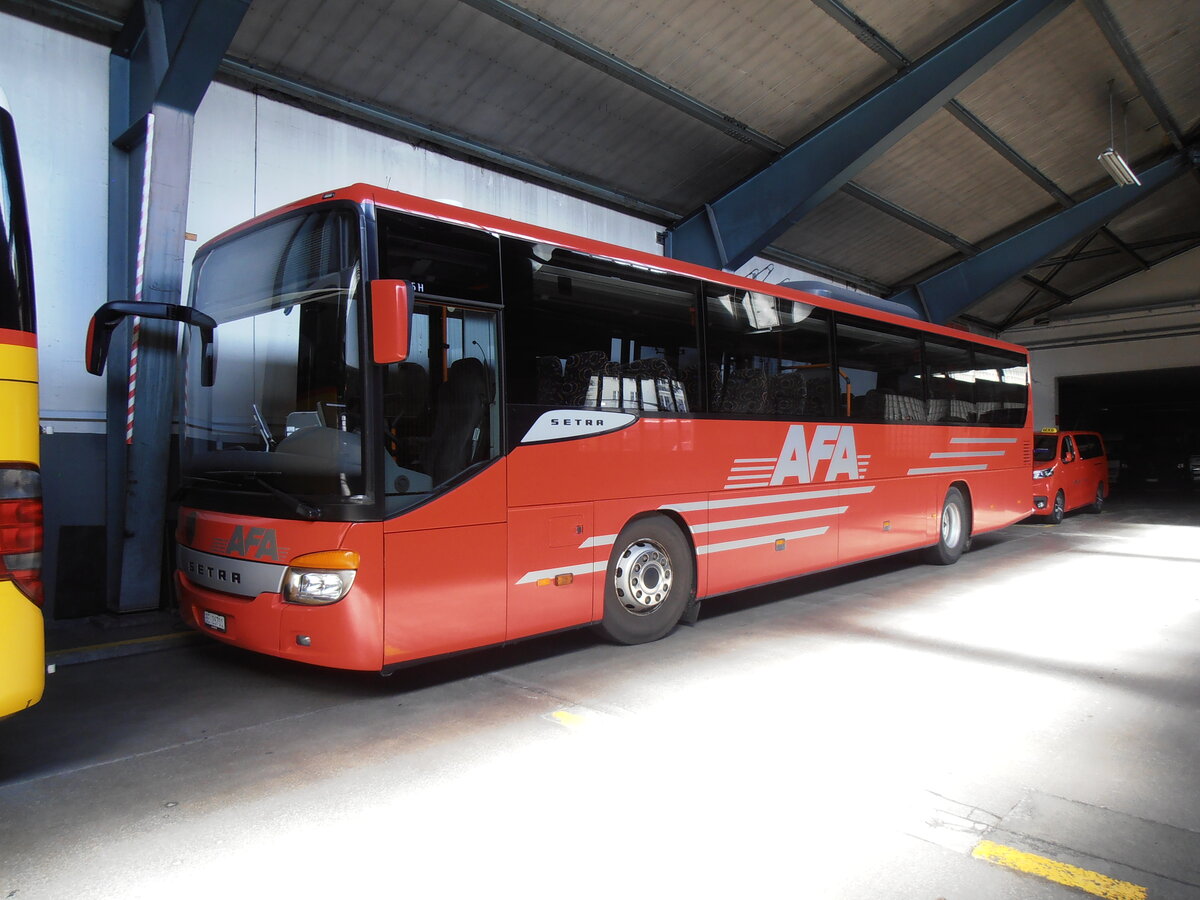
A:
[126, 643]
[570, 719]
[1060, 873]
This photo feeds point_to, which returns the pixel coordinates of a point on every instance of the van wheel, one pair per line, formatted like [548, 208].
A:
[1055, 516]
[1098, 503]
[953, 530]
[651, 577]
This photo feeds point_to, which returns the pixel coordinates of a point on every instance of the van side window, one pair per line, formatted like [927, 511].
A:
[1089, 446]
[1068, 448]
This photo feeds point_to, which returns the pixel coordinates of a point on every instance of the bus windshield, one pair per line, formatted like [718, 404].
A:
[285, 413]
[16, 275]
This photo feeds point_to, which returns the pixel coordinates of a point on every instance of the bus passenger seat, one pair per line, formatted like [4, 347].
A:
[549, 381]
[460, 420]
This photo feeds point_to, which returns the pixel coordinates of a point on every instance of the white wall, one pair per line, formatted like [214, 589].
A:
[57, 86]
[1163, 337]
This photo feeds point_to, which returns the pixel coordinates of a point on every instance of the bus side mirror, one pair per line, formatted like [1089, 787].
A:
[108, 316]
[391, 320]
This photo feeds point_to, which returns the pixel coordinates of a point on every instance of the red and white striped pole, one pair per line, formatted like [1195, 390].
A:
[139, 280]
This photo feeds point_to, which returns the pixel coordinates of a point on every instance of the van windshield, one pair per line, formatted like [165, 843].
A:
[1045, 448]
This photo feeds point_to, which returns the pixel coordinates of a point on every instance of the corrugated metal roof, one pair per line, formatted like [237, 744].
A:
[673, 102]
[862, 239]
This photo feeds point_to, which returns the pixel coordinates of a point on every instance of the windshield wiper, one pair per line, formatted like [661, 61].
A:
[298, 506]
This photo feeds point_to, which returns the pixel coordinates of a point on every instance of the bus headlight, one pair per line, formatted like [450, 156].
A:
[318, 579]
[1039, 474]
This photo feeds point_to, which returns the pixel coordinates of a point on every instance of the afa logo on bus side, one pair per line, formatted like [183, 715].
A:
[802, 459]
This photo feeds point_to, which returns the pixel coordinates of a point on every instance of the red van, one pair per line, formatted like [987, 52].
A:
[1070, 470]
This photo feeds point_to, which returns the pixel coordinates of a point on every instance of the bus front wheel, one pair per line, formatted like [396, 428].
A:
[649, 582]
[954, 530]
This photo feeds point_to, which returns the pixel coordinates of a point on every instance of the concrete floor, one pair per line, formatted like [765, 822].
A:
[855, 734]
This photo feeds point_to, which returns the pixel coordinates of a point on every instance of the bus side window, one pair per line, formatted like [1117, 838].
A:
[768, 356]
[884, 366]
[584, 332]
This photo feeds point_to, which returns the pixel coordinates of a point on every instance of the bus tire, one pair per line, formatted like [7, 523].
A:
[650, 579]
[954, 530]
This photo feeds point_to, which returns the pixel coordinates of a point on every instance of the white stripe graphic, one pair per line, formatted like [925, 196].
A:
[768, 520]
[752, 469]
[933, 470]
[962, 440]
[585, 569]
[967, 454]
[772, 459]
[763, 499]
[600, 540]
[759, 541]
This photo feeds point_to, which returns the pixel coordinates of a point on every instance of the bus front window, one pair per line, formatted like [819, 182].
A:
[285, 413]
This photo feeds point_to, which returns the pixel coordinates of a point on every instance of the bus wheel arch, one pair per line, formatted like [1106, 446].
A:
[954, 526]
[650, 581]
[965, 490]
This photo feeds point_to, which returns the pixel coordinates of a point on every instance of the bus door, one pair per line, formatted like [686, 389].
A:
[445, 544]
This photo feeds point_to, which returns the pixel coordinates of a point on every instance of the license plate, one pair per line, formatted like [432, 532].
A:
[215, 621]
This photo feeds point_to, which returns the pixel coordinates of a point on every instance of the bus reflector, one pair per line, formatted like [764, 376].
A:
[21, 530]
[556, 581]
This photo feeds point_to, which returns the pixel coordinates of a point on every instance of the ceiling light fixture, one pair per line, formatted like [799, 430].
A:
[1112, 161]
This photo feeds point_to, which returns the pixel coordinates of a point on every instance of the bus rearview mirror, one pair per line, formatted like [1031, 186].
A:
[391, 320]
[111, 314]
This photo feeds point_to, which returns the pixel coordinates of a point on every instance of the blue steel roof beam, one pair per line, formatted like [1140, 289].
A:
[953, 290]
[764, 206]
[174, 48]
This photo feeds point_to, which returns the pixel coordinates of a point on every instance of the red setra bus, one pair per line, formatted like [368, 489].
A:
[433, 430]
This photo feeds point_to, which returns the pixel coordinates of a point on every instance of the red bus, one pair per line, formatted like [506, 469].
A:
[433, 430]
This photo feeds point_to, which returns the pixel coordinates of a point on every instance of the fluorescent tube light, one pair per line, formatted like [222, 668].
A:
[1115, 166]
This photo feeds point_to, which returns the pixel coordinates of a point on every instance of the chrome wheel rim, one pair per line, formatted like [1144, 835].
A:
[643, 577]
[951, 525]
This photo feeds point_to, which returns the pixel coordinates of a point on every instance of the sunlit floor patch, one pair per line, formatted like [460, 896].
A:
[1060, 873]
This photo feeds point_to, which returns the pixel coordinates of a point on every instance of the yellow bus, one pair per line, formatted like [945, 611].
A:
[22, 635]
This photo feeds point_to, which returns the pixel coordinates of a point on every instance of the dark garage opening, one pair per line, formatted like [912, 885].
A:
[1150, 421]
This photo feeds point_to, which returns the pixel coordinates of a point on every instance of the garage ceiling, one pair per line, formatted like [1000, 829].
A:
[663, 106]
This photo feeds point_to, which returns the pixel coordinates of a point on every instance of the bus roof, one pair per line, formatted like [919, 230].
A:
[450, 212]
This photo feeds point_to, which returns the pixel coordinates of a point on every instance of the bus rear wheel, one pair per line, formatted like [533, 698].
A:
[954, 530]
[649, 582]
